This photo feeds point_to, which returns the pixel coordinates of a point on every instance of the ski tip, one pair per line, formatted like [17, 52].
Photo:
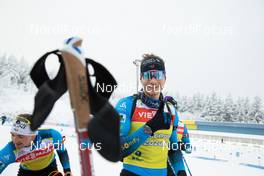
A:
[75, 41]
[73, 45]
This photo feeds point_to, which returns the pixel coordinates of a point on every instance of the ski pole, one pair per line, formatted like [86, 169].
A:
[171, 166]
[187, 166]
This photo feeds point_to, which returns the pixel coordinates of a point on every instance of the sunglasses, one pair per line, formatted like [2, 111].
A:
[21, 120]
[157, 74]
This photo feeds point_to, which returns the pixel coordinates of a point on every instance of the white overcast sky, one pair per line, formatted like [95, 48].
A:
[208, 45]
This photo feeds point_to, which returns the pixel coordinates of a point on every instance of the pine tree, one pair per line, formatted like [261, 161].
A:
[197, 100]
[183, 104]
[3, 66]
[255, 113]
[239, 110]
[228, 109]
[22, 73]
[211, 111]
[205, 109]
[245, 110]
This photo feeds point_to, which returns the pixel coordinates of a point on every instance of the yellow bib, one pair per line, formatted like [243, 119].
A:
[36, 159]
[154, 152]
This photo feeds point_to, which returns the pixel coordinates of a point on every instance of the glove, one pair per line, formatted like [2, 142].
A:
[160, 121]
[68, 173]
[187, 147]
[171, 100]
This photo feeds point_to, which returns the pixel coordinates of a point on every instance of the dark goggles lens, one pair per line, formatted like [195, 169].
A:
[19, 120]
[158, 75]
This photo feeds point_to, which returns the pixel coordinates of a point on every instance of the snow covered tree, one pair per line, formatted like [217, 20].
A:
[14, 71]
[255, 111]
[205, 108]
[211, 110]
[239, 117]
[228, 109]
[183, 104]
[197, 101]
[246, 110]
[22, 76]
[3, 66]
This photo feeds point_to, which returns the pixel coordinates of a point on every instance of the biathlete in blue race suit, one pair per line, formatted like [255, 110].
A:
[147, 123]
[34, 150]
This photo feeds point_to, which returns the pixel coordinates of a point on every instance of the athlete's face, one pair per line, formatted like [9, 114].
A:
[21, 141]
[153, 83]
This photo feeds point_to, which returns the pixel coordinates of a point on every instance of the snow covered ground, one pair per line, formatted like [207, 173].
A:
[210, 157]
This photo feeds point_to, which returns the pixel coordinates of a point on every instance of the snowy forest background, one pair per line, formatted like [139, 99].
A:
[14, 74]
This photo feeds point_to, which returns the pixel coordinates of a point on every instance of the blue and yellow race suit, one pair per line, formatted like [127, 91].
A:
[143, 154]
[39, 155]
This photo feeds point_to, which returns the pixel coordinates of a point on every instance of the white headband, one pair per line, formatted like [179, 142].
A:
[22, 128]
